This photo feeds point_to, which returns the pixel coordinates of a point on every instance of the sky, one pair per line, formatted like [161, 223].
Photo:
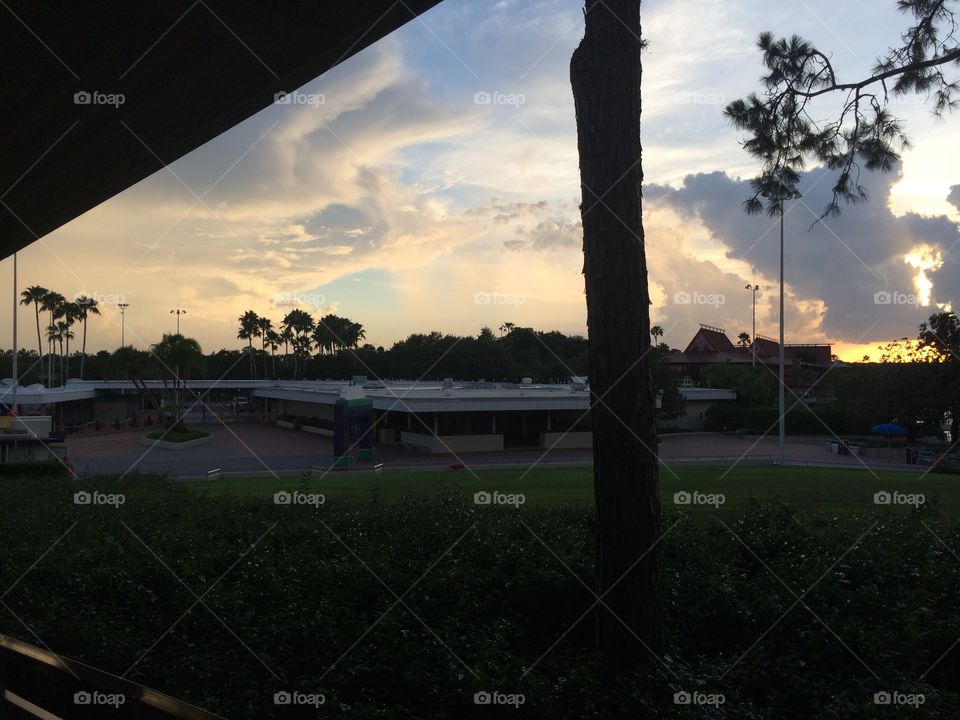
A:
[431, 183]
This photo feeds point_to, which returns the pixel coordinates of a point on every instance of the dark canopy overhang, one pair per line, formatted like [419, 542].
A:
[188, 70]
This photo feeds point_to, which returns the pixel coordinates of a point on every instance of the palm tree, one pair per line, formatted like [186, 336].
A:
[64, 334]
[287, 336]
[249, 329]
[53, 337]
[301, 326]
[273, 337]
[71, 313]
[656, 332]
[51, 302]
[302, 345]
[88, 306]
[264, 328]
[34, 295]
[355, 334]
[743, 339]
[180, 356]
[324, 335]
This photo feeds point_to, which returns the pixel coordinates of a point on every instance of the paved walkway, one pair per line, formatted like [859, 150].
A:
[256, 448]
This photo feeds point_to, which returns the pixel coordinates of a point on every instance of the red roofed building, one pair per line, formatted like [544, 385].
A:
[711, 346]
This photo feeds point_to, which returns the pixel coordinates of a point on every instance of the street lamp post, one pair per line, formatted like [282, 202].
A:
[753, 338]
[783, 430]
[123, 308]
[178, 312]
[16, 350]
[778, 197]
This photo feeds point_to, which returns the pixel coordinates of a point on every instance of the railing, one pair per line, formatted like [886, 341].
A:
[76, 689]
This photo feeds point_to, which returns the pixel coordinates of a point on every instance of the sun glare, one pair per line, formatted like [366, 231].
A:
[923, 258]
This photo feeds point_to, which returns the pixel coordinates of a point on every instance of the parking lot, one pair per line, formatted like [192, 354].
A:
[262, 449]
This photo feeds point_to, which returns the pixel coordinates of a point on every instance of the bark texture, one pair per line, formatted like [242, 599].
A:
[605, 73]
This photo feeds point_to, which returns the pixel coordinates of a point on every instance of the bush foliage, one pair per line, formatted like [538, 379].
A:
[405, 610]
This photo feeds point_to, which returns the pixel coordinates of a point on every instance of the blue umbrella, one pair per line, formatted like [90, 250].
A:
[889, 429]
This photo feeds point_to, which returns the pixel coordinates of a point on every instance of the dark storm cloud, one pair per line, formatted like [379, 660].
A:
[854, 263]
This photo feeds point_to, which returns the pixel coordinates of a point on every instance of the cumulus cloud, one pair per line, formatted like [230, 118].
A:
[852, 270]
[548, 234]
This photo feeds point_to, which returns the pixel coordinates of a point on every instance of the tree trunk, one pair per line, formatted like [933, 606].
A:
[83, 350]
[51, 346]
[36, 308]
[955, 422]
[605, 73]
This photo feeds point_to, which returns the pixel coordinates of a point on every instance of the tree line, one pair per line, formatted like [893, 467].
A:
[297, 331]
[330, 348]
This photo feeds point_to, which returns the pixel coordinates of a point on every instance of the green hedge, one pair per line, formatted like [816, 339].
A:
[310, 592]
[39, 469]
[178, 433]
[800, 420]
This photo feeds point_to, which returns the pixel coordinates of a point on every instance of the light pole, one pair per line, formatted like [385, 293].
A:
[16, 351]
[753, 338]
[123, 308]
[783, 422]
[778, 197]
[178, 312]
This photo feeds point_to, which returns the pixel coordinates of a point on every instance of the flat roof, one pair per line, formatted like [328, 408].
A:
[396, 395]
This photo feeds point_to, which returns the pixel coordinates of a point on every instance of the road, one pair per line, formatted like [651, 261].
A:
[264, 449]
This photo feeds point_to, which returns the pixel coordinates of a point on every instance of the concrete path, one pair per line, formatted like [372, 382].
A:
[256, 448]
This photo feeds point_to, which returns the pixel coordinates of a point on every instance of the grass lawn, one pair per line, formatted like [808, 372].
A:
[808, 488]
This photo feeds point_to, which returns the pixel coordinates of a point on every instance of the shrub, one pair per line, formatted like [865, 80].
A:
[37, 470]
[312, 593]
[178, 433]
